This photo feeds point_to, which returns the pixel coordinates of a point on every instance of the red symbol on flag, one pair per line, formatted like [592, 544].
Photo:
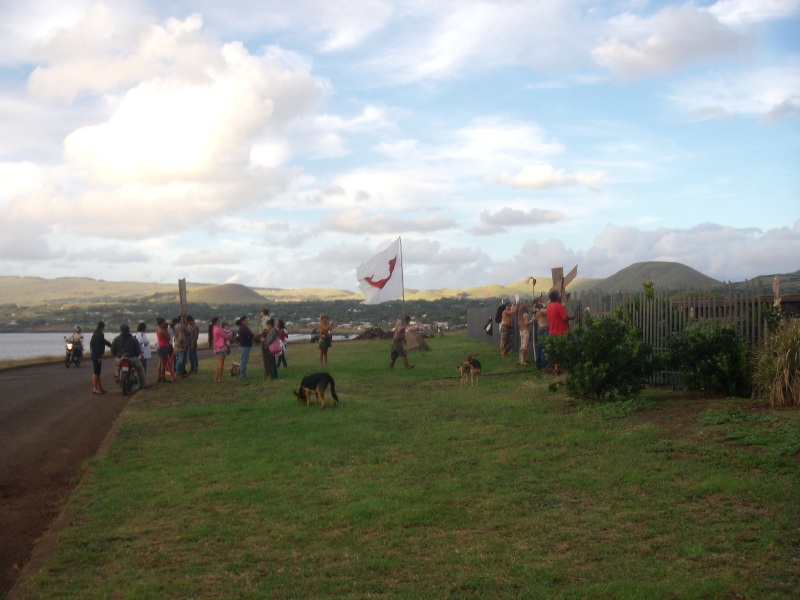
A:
[382, 282]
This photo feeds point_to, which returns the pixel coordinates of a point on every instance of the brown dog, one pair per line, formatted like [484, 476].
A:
[470, 368]
[317, 383]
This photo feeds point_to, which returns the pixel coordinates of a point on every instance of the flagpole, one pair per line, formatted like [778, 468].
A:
[402, 280]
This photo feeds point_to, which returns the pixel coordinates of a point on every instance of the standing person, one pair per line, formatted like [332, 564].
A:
[558, 319]
[171, 357]
[144, 344]
[262, 333]
[181, 346]
[283, 335]
[270, 337]
[542, 331]
[194, 335]
[507, 327]
[97, 347]
[399, 343]
[525, 323]
[162, 349]
[123, 344]
[325, 337]
[221, 348]
[245, 345]
[557, 315]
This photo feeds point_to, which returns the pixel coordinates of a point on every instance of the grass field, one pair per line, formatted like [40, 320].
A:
[416, 488]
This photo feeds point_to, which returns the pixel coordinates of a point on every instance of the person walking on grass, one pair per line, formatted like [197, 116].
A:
[399, 343]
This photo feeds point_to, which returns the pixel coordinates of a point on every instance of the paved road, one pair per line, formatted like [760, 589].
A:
[50, 423]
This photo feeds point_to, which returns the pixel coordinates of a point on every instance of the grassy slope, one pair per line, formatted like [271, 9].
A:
[667, 275]
[415, 488]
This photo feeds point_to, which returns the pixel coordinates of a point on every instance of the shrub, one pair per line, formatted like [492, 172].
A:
[605, 359]
[776, 375]
[709, 358]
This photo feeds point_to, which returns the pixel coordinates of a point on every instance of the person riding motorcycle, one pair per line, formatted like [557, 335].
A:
[76, 338]
[74, 346]
[77, 335]
[126, 343]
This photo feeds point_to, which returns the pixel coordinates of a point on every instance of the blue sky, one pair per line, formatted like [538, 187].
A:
[281, 144]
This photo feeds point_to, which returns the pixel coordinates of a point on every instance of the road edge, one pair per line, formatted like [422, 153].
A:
[47, 543]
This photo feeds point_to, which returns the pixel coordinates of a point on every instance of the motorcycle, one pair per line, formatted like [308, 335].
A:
[128, 376]
[74, 353]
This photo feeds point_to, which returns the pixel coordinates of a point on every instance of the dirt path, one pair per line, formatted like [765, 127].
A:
[50, 423]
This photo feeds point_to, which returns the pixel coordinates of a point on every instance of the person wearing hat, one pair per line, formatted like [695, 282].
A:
[245, 345]
[125, 343]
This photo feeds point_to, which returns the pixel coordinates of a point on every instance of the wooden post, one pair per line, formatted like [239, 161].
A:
[182, 297]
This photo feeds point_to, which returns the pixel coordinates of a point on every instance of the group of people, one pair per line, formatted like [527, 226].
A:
[176, 345]
[272, 335]
[550, 319]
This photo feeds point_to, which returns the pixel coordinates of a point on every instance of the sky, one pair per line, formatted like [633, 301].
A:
[281, 144]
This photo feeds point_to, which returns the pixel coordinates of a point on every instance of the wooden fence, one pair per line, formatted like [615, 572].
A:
[658, 316]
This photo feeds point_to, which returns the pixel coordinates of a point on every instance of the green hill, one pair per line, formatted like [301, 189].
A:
[229, 293]
[666, 275]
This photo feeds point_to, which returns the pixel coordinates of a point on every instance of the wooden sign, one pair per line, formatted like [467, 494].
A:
[560, 282]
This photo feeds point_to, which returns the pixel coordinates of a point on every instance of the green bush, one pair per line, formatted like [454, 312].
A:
[605, 359]
[709, 358]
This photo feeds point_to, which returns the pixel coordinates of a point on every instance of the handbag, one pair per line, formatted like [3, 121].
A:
[275, 347]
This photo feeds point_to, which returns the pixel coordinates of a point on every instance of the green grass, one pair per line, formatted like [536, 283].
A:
[414, 487]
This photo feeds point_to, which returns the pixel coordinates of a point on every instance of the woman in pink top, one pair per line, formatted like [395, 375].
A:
[162, 342]
[219, 337]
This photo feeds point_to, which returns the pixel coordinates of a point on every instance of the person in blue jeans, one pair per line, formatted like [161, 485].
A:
[245, 345]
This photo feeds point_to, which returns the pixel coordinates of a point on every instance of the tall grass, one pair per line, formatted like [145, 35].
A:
[414, 487]
[777, 374]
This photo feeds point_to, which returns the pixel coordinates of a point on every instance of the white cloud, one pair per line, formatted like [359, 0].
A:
[361, 222]
[771, 93]
[19, 178]
[545, 176]
[510, 216]
[208, 257]
[672, 39]
[744, 12]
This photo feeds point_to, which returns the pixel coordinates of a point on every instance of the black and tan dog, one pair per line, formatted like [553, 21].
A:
[471, 368]
[317, 384]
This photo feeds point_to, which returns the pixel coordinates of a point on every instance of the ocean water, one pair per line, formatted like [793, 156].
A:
[18, 346]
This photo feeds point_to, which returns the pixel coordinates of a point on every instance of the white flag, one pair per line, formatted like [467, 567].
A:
[381, 277]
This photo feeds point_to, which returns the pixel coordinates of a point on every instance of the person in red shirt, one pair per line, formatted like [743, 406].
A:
[559, 322]
[557, 315]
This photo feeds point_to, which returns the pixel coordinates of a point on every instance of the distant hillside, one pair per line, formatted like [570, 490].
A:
[324, 294]
[666, 275]
[228, 293]
[25, 291]
[37, 291]
[790, 282]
